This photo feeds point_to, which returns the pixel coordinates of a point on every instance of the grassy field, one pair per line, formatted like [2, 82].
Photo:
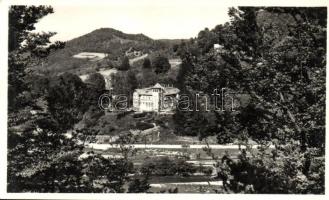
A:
[188, 154]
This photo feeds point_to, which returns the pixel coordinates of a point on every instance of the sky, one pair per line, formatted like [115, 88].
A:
[157, 20]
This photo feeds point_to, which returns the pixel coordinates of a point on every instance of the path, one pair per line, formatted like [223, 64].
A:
[167, 146]
[131, 61]
[207, 183]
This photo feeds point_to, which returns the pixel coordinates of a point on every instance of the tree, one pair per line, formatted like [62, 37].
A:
[125, 65]
[120, 83]
[124, 83]
[166, 166]
[286, 174]
[106, 175]
[24, 55]
[21, 22]
[132, 84]
[43, 156]
[277, 56]
[161, 64]
[147, 63]
[96, 83]
[139, 186]
[280, 85]
[132, 80]
[195, 123]
[67, 99]
[147, 78]
[206, 40]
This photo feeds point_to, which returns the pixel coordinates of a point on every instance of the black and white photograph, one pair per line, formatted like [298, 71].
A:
[158, 97]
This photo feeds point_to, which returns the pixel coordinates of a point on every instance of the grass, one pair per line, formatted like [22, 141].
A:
[189, 154]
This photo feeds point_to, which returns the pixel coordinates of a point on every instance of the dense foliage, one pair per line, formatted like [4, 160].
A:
[164, 166]
[277, 57]
[161, 64]
[124, 64]
[112, 42]
[44, 155]
[147, 63]
[272, 59]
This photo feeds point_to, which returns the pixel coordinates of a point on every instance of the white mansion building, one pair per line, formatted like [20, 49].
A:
[157, 98]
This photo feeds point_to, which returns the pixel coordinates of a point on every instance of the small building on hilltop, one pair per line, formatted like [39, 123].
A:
[218, 48]
[158, 98]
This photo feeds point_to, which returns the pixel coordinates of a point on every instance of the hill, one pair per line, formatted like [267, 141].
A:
[103, 48]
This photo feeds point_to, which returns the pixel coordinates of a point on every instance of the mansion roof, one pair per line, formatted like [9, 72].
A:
[166, 90]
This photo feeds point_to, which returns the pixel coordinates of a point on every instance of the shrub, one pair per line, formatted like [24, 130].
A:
[143, 125]
[165, 166]
[161, 64]
[123, 114]
[139, 115]
[147, 63]
[125, 65]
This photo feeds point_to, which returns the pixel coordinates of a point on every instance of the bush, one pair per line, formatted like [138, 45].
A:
[161, 64]
[206, 170]
[138, 186]
[96, 82]
[143, 125]
[183, 168]
[164, 166]
[147, 63]
[139, 115]
[124, 64]
[123, 114]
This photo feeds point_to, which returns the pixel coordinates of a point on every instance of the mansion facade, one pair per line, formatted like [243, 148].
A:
[158, 98]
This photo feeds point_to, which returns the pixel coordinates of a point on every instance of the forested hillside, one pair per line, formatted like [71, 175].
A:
[276, 56]
[111, 42]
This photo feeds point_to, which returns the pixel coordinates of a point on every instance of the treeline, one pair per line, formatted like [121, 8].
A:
[112, 42]
[144, 73]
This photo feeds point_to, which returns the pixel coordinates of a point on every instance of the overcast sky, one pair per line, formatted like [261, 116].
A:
[158, 21]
